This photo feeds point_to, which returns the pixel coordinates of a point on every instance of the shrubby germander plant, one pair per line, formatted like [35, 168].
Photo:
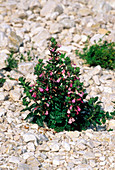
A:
[57, 97]
[102, 54]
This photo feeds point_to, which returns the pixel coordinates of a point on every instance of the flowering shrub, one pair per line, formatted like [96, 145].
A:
[57, 97]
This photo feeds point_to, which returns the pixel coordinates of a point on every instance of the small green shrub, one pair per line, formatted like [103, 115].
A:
[102, 54]
[57, 98]
[11, 62]
[2, 81]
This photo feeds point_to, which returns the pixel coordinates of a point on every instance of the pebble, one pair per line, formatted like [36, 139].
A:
[30, 24]
[29, 137]
[2, 112]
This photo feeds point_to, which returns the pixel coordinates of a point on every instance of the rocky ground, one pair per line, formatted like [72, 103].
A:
[28, 25]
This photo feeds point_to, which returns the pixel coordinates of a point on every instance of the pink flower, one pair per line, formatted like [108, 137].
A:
[47, 88]
[78, 108]
[61, 65]
[68, 74]
[73, 101]
[81, 95]
[68, 115]
[58, 80]
[35, 108]
[40, 75]
[40, 89]
[30, 90]
[71, 120]
[68, 111]
[51, 73]
[32, 85]
[76, 92]
[69, 89]
[58, 53]
[70, 84]
[46, 113]
[47, 104]
[53, 50]
[56, 59]
[63, 71]
[58, 45]
[34, 95]
[70, 107]
[70, 92]
[79, 99]
[77, 112]
[51, 58]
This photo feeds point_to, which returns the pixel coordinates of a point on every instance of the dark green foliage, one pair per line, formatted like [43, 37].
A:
[102, 54]
[57, 97]
[2, 80]
[11, 62]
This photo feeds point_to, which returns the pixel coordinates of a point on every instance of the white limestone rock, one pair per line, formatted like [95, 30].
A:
[28, 137]
[96, 70]
[48, 8]
[26, 67]
[77, 38]
[3, 40]
[96, 38]
[66, 146]
[67, 23]
[31, 146]
[55, 28]
[15, 94]
[2, 112]
[14, 159]
[2, 96]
